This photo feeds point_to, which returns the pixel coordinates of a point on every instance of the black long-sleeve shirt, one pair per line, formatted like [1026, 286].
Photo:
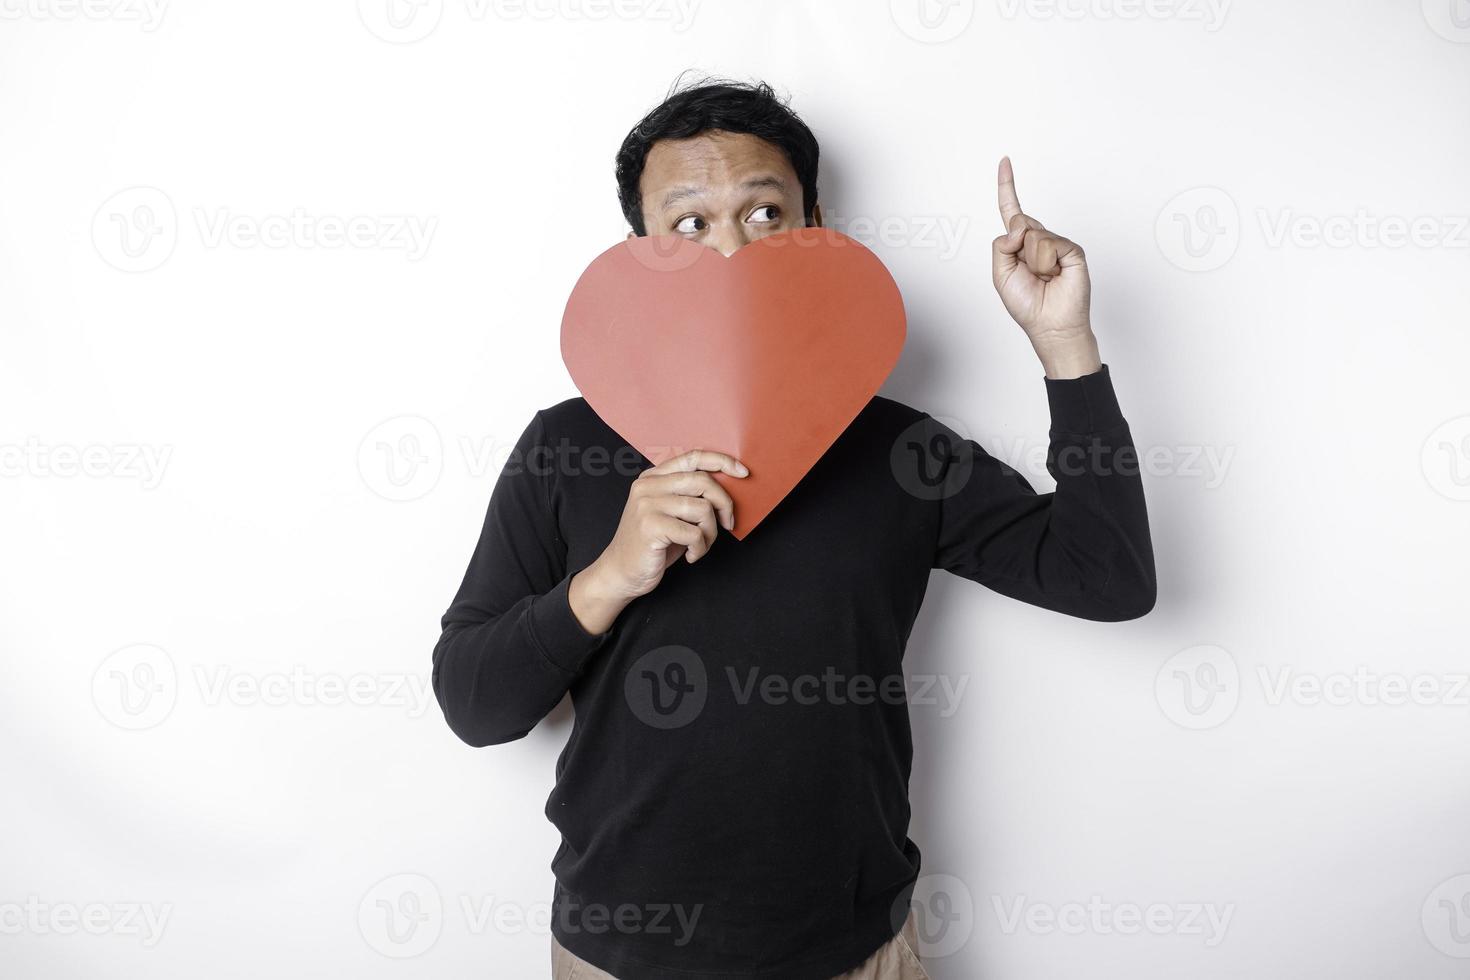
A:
[733, 797]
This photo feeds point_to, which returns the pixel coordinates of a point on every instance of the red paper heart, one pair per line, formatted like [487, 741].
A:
[767, 355]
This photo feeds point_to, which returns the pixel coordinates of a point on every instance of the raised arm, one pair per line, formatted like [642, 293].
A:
[1083, 549]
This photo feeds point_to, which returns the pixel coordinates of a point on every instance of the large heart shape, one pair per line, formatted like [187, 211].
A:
[767, 355]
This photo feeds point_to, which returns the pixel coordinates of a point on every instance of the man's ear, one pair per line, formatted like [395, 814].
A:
[816, 216]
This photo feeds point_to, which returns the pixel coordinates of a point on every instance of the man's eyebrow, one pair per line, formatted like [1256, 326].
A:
[678, 194]
[767, 180]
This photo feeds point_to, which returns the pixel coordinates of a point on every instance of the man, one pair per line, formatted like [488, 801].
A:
[714, 823]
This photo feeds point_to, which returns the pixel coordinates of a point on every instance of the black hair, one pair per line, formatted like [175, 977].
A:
[716, 103]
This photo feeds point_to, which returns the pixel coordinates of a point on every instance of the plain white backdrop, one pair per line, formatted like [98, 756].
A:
[280, 284]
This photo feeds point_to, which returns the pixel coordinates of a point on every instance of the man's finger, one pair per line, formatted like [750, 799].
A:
[698, 459]
[695, 484]
[1010, 204]
[1017, 230]
[1040, 253]
[669, 530]
[692, 510]
[1003, 259]
[1069, 253]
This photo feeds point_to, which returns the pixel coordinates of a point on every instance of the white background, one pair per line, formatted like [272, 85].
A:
[241, 476]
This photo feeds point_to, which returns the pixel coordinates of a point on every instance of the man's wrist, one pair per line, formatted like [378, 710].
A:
[1071, 357]
[593, 603]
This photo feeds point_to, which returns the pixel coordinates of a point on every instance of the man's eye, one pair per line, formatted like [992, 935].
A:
[689, 225]
[773, 209]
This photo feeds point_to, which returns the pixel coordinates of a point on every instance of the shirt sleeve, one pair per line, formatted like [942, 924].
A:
[511, 645]
[1083, 549]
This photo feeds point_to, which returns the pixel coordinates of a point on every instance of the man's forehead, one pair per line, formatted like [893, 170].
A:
[696, 164]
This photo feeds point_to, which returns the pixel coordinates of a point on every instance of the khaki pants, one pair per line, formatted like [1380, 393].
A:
[897, 959]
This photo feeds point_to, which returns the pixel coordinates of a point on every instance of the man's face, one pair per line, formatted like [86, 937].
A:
[720, 189]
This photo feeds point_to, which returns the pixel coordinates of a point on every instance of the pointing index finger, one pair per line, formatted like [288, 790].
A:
[1010, 205]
